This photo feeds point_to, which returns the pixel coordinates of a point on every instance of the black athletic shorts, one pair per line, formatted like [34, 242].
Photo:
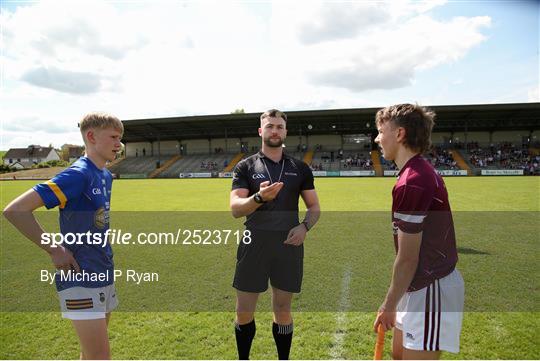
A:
[267, 258]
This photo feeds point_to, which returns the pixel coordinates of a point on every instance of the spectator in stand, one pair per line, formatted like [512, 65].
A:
[503, 155]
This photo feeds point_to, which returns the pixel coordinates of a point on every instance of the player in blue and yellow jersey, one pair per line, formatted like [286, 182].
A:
[84, 278]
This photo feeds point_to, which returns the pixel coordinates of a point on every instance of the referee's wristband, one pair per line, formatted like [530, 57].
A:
[258, 198]
[305, 223]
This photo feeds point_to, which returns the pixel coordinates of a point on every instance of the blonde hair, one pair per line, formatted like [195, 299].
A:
[98, 120]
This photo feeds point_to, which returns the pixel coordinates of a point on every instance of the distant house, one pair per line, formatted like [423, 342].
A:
[26, 157]
[16, 166]
[75, 153]
[71, 152]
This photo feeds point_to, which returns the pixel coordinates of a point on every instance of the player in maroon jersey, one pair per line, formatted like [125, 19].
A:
[425, 298]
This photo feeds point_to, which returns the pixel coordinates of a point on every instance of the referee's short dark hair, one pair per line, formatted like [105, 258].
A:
[417, 121]
[274, 113]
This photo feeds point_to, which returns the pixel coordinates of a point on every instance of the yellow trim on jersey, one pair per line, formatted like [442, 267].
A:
[58, 193]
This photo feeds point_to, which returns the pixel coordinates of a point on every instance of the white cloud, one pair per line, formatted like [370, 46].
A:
[147, 59]
[21, 140]
[390, 59]
[63, 80]
[333, 20]
[33, 123]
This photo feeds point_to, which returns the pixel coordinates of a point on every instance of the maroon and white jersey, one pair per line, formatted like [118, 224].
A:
[420, 204]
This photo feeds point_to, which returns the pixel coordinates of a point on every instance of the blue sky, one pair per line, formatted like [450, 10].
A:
[61, 59]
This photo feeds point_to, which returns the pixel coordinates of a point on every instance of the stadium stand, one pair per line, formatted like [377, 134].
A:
[237, 158]
[136, 165]
[115, 162]
[199, 163]
[297, 155]
[336, 160]
[376, 159]
[386, 165]
[171, 167]
[504, 155]
[308, 157]
[461, 162]
[473, 158]
[165, 166]
[442, 158]
[316, 134]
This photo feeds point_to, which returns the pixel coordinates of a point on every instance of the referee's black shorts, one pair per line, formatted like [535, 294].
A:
[267, 258]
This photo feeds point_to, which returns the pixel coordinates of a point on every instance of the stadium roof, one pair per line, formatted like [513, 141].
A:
[450, 118]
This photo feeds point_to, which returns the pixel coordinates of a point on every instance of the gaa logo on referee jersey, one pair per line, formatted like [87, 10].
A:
[258, 176]
[101, 218]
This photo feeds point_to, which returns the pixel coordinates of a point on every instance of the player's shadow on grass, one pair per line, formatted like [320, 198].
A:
[465, 250]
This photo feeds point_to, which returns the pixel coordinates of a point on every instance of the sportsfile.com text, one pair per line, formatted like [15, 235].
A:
[183, 237]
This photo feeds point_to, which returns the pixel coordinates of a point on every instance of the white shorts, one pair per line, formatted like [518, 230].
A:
[80, 303]
[430, 319]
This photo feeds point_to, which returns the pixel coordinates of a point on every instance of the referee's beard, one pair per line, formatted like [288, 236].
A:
[273, 142]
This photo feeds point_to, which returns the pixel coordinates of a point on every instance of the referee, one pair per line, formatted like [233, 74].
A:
[266, 188]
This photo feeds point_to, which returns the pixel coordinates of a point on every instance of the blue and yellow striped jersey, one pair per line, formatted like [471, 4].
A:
[83, 194]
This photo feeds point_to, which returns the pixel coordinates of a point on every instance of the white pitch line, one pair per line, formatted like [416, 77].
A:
[336, 351]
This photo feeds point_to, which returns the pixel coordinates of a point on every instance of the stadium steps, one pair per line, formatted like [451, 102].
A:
[114, 162]
[308, 157]
[237, 158]
[133, 165]
[165, 166]
[461, 162]
[376, 159]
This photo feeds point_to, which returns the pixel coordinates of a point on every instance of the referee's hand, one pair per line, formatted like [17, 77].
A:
[270, 191]
[296, 236]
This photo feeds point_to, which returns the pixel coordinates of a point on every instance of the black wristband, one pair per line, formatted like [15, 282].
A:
[305, 223]
[258, 199]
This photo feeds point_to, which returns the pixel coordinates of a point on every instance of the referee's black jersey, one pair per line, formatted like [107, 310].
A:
[282, 212]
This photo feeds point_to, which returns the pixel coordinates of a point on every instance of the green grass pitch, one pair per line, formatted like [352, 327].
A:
[497, 226]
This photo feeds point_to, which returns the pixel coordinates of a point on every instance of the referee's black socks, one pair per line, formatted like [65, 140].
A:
[244, 338]
[283, 337]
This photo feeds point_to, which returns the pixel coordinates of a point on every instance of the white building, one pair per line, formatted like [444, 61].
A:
[27, 157]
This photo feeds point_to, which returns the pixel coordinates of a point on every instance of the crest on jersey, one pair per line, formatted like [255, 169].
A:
[101, 218]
